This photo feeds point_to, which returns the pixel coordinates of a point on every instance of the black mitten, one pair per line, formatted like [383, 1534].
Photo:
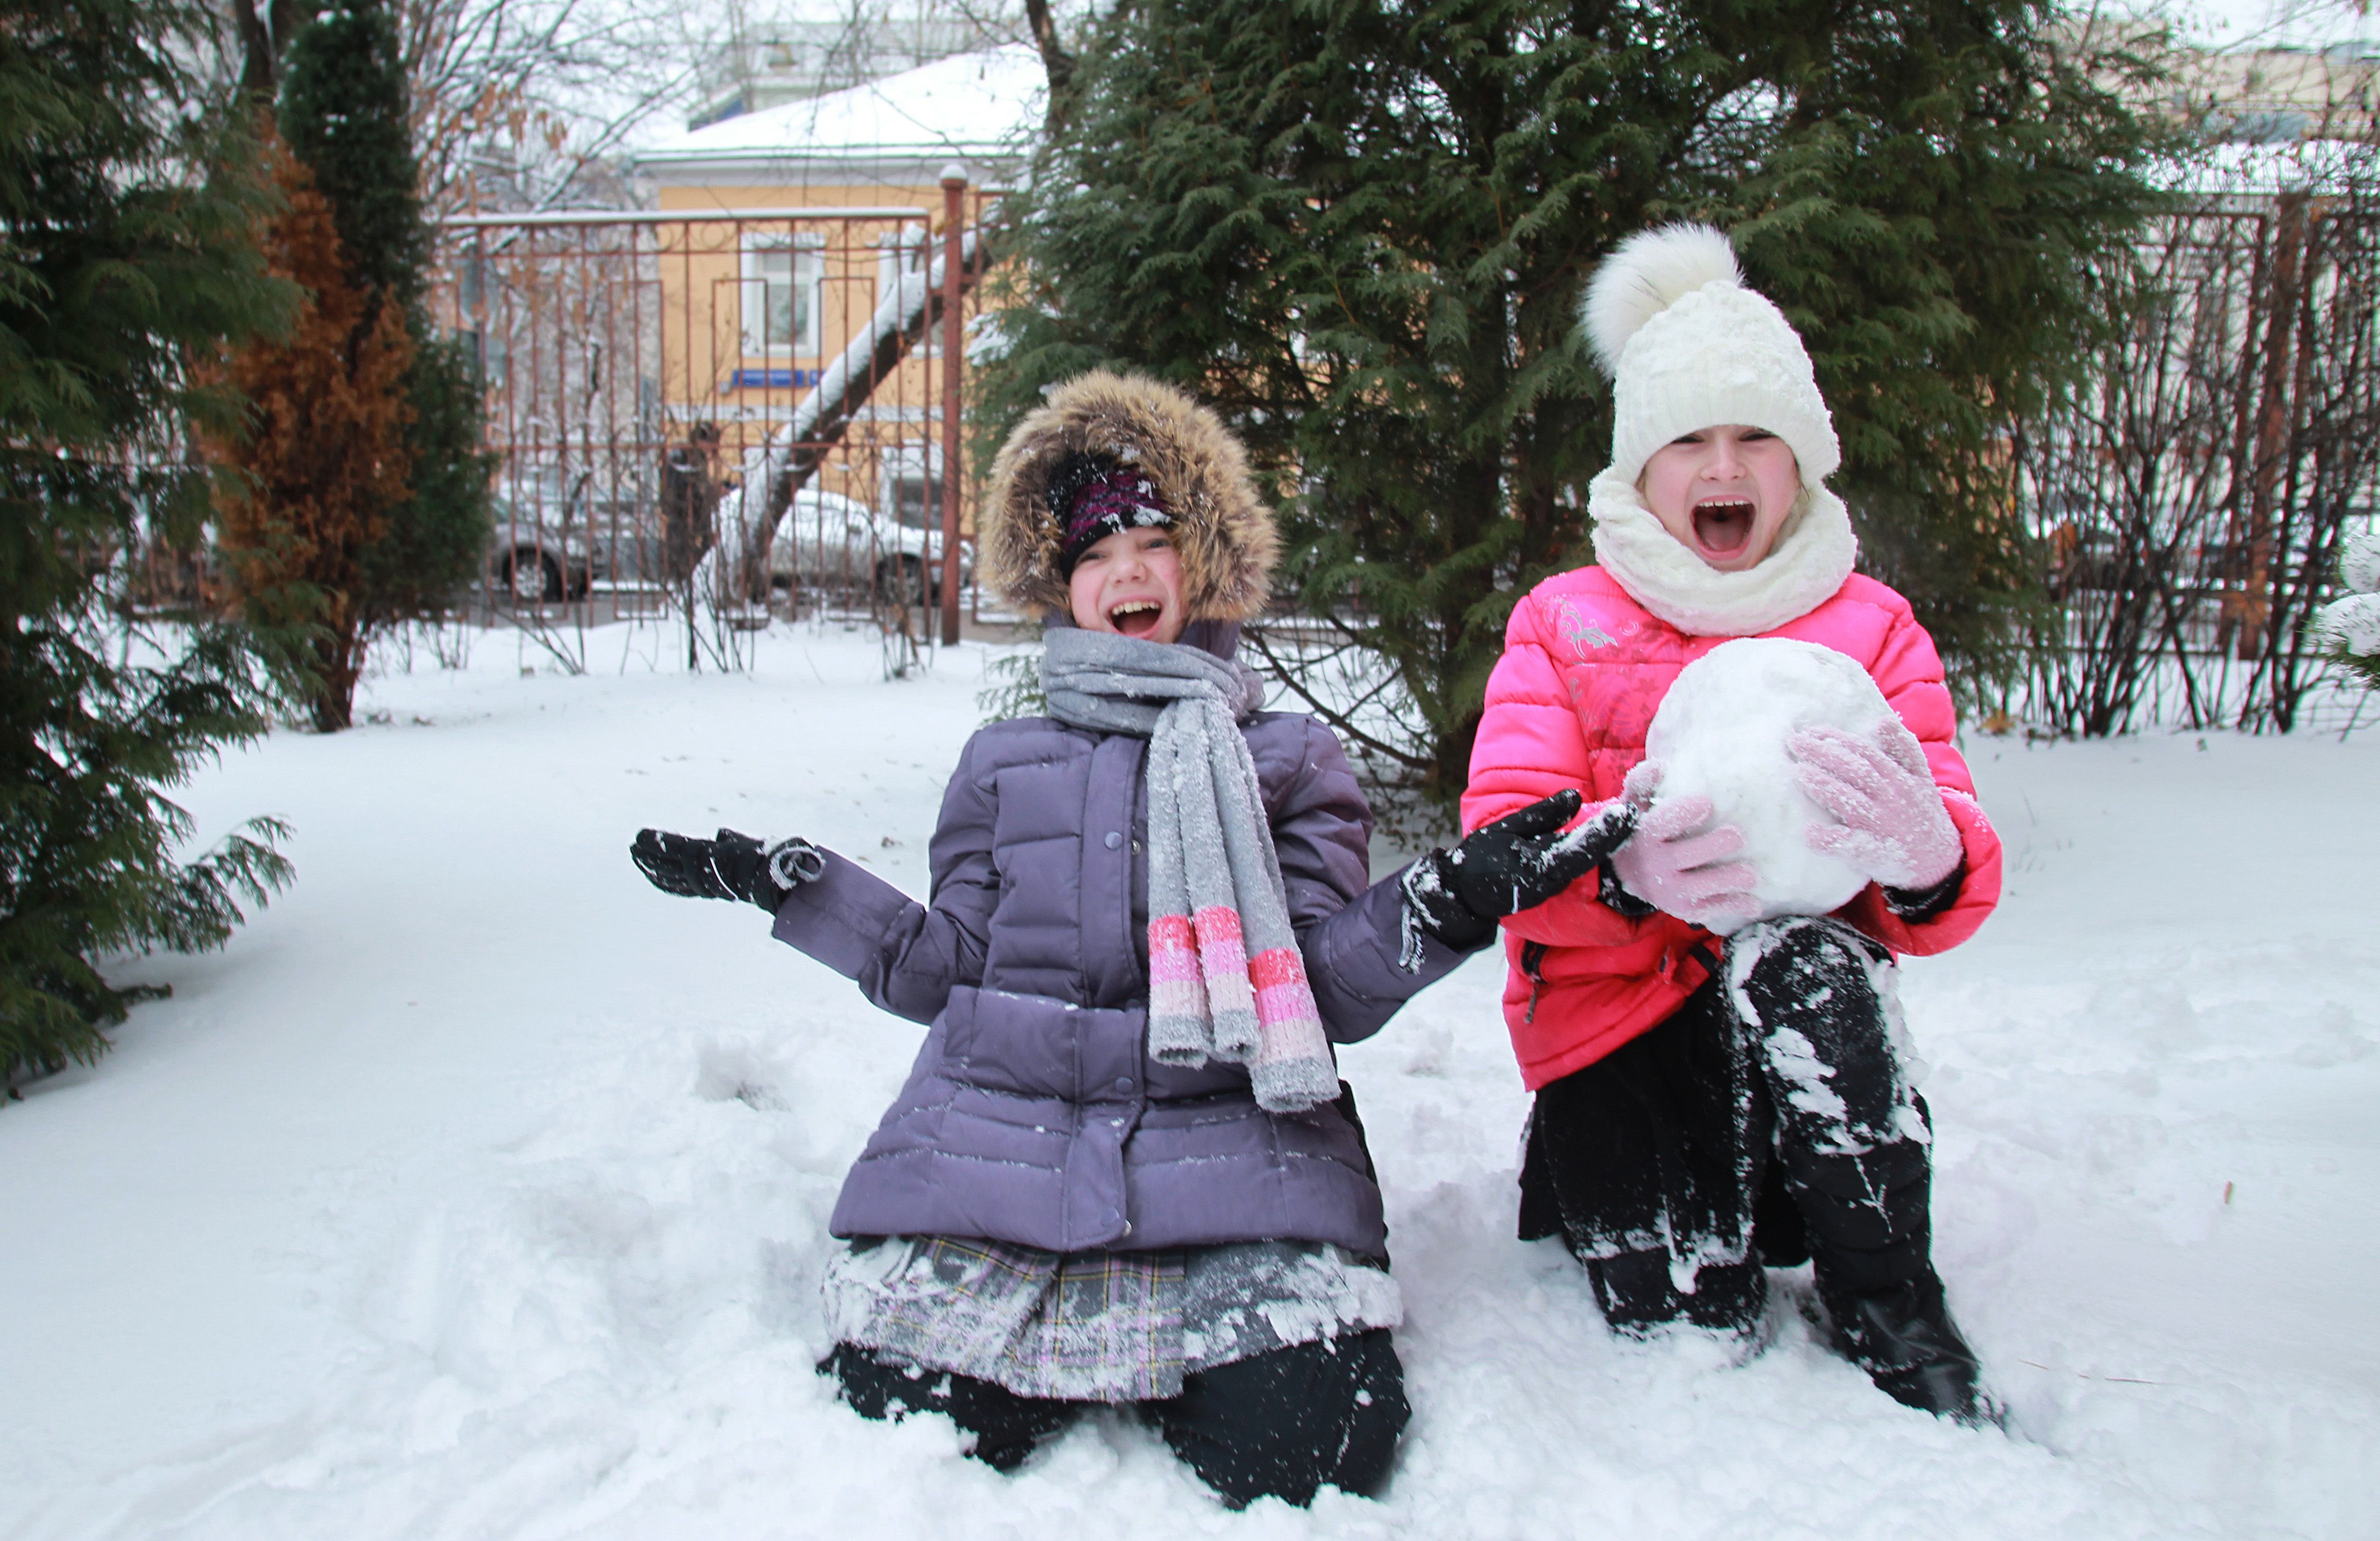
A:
[1518, 863]
[730, 865]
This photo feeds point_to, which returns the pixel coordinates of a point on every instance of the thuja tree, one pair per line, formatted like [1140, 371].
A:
[321, 458]
[1361, 227]
[127, 209]
[367, 499]
[345, 112]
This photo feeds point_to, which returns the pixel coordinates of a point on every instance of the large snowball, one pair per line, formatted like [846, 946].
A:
[1720, 733]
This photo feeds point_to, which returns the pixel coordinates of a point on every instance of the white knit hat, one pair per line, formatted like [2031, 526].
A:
[1689, 348]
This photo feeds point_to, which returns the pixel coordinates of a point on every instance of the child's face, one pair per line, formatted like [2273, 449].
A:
[1724, 493]
[1130, 583]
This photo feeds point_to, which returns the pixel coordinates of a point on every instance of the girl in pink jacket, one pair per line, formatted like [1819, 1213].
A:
[1716, 1091]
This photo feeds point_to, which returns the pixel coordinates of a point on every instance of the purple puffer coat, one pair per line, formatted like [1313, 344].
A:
[1032, 1114]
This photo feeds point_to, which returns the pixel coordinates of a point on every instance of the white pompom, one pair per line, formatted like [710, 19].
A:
[1651, 271]
[1720, 733]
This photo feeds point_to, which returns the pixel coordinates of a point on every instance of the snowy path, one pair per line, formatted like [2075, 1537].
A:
[479, 1191]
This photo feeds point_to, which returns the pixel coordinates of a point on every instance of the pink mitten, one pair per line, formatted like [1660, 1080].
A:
[1676, 870]
[1894, 826]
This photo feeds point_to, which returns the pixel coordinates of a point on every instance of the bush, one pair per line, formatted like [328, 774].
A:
[1360, 229]
[129, 202]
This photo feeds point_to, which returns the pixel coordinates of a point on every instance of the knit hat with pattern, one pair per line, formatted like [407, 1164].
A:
[1092, 496]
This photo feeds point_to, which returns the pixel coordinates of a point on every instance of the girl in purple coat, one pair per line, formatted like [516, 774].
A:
[1123, 1169]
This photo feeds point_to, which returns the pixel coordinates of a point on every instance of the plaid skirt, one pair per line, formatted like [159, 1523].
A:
[1112, 1326]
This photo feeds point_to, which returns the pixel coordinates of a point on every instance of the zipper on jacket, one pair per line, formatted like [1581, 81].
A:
[1532, 958]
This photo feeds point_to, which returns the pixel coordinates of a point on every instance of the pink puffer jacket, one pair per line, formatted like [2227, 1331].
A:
[1584, 667]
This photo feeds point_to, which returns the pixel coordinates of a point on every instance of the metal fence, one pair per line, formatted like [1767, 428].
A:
[2190, 502]
[706, 419]
[702, 420]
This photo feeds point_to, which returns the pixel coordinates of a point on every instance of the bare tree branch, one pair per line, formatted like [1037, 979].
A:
[1058, 63]
[264, 38]
[521, 103]
[1337, 713]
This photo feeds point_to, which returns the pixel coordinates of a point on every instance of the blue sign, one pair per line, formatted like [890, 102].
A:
[770, 379]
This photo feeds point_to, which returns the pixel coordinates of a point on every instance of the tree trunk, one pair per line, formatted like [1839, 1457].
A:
[338, 664]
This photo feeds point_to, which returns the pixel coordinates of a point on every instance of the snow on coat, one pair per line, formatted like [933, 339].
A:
[1585, 667]
[1034, 1114]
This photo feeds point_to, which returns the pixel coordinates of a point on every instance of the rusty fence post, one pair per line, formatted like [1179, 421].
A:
[953, 189]
[2274, 414]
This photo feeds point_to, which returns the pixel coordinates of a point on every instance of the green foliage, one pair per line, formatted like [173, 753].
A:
[1360, 229]
[1011, 683]
[433, 543]
[128, 206]
[345, 112]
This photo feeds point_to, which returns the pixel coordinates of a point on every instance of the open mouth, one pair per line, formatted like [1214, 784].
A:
[1136, 618]
[1723, 525]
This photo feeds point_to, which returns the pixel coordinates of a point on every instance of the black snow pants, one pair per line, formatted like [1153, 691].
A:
[1767, 1122]
[1281, 1425]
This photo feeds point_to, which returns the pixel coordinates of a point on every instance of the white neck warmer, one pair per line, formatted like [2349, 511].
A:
[1814, 553]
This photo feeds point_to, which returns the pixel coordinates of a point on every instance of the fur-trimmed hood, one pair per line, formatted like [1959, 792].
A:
[1198, 468]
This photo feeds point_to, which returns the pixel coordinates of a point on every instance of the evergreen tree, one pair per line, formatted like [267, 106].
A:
[321, 457]
[344, 112]
[1360, 227]
[418, 536]
[126, 213]
[436, 539]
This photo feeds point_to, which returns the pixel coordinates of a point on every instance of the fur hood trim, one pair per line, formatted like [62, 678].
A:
[1200, 471]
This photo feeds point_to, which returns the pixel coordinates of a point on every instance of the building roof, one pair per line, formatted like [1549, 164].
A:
[980, 110]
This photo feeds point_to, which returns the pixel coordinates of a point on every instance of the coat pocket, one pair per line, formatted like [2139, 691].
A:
[1035, 1046]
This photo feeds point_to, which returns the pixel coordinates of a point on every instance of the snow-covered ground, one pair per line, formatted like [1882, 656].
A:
[479, 1191]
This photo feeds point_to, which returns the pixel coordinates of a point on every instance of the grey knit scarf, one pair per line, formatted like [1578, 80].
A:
[1226, 980]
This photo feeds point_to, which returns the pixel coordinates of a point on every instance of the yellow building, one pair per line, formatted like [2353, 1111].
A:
[789, 239]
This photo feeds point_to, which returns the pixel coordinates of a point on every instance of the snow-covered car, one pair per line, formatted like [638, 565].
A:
[828, 541]
[531, 559]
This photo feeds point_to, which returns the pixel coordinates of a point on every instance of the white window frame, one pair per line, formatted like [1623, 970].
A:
[809, 279]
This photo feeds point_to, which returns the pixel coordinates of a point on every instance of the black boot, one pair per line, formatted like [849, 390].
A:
[1906, 1343]
[1288, 1422]
[1870, 1231]
[1639, 1298]
[1857, 1163]
[1007, 1428]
